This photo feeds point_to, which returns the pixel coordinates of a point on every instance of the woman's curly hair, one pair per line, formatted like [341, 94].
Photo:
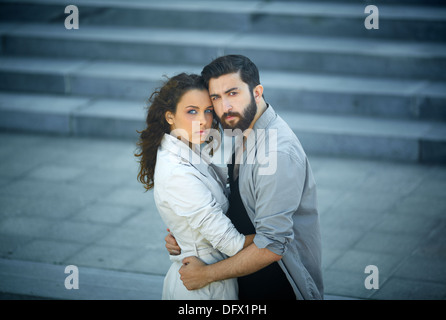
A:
[161, 101]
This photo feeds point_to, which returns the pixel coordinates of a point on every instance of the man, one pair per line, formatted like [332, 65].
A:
[280, 207]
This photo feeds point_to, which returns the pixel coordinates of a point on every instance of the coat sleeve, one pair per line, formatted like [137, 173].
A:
[277, 197]
[189, 197]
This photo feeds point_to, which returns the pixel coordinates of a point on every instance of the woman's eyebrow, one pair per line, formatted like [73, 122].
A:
[197, 107]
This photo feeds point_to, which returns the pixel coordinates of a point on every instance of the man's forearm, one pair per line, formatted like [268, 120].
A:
[249, 239]
[247, 261]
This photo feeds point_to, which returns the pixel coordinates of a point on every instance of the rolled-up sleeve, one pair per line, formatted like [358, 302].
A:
[277, 197]
[190, 198]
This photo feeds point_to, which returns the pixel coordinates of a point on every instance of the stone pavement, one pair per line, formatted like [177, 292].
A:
[76, 201]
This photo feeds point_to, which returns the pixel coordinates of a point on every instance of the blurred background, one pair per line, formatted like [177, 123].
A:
[368, 105]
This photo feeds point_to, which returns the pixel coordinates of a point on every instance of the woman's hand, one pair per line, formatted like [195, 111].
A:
[171, 244]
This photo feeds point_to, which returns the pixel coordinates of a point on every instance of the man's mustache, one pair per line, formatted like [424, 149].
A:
[230, 114]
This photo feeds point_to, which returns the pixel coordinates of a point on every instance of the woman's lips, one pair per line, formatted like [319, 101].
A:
[202, 132]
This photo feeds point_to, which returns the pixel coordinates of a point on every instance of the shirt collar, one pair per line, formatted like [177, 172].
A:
[268, 115]
[262, 123]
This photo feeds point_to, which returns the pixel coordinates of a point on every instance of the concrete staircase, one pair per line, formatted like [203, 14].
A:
[345, 90]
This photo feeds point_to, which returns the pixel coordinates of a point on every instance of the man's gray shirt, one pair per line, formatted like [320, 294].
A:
[279, 193]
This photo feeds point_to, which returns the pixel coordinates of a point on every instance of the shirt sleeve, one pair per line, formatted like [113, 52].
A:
[189, 197]
[277, 197]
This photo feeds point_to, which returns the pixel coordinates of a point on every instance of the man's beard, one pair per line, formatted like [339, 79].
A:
[244, 121]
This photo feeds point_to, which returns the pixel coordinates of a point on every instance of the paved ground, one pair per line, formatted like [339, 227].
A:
[76, 201]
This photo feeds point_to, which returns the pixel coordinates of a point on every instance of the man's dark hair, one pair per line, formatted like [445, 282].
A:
[232, 64]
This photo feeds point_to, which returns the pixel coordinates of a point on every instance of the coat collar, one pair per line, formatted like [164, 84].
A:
[180, 149]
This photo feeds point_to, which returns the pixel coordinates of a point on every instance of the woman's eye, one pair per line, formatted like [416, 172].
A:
[192, 112]
[208, 110]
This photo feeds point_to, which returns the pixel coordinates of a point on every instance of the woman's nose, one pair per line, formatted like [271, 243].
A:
[202, 118]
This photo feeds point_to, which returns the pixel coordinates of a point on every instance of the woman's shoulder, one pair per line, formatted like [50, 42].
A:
[170, 168]
[167, 162]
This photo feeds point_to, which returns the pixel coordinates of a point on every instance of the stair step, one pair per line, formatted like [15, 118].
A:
[439, 3]
[364, 137]
[284, 52]
[347, 20]
[79, 116]
[304, 17]
[84, 77]
[293, 91]
[355, 56]
[402, 140]
[356, 95]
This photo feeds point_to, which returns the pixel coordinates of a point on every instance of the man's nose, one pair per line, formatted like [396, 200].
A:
[226, 106]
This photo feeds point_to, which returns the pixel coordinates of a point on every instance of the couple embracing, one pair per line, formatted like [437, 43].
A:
[236, 232]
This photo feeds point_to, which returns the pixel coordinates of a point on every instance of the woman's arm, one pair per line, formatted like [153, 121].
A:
[174, 249]
[188, 197]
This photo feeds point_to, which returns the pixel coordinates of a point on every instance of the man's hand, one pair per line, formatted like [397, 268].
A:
[193, 273]
[171, 244]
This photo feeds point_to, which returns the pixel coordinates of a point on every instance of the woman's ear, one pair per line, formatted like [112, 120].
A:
[169, 117]
[258, 92]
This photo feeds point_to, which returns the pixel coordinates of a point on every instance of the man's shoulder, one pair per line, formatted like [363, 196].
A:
[279, 124]
[287, 140]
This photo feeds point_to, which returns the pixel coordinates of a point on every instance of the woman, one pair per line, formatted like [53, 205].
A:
[189, 191]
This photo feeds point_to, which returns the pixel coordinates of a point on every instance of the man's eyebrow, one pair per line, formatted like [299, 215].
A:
[232, 89]
[227, 91]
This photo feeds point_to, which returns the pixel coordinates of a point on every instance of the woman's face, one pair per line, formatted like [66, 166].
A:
[193, 117]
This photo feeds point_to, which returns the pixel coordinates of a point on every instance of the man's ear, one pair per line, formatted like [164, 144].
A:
[258, 93]
[169, 117]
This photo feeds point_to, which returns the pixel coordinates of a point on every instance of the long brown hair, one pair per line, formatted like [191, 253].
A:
[161, 101]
